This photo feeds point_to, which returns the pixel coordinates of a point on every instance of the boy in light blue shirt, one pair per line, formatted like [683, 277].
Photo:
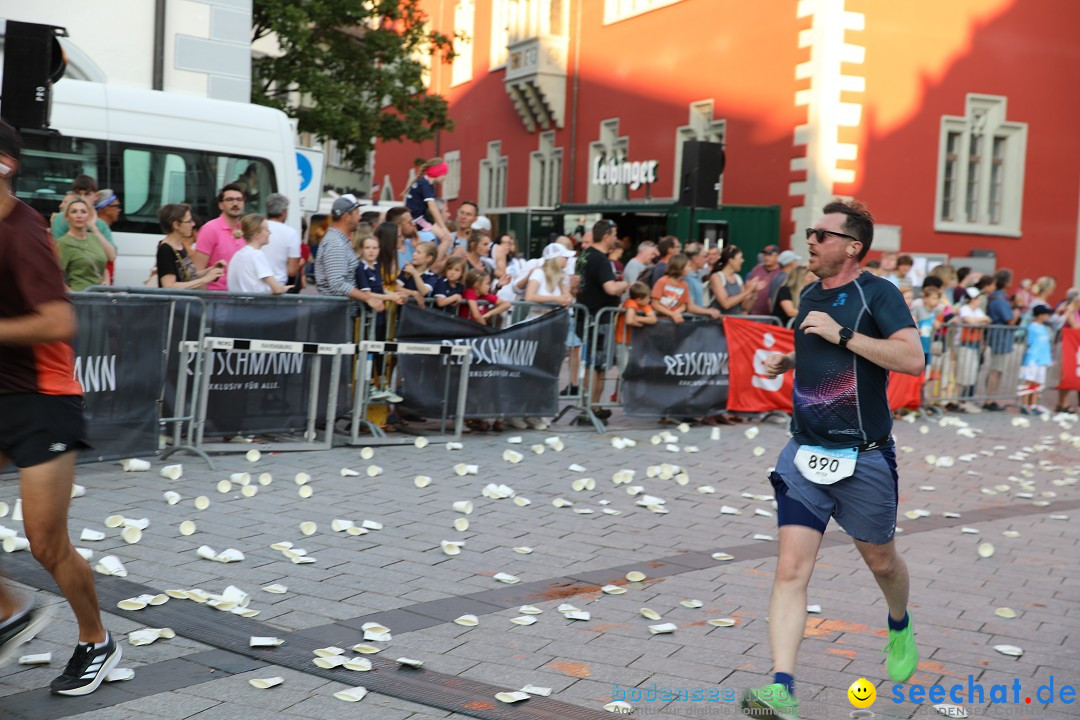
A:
[1037, 358]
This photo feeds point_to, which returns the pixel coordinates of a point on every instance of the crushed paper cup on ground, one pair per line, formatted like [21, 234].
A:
[119, 675]
[85, 553]
[649, 614]
[38, 659]
[534, 690]
[349, 472]
[511, 697]
[172, 472]
[523, 620]
[171, 496]
[506, 578]
[331, 651]
[529, 610]
[635, 576]
[663, 628]
[619, 707]
[1010, 650]
[149, 635]
[89, 535]
[358, 664]
[722, 622]
[111, 565]
[330, 662]
[355, 694]
[257, 641]
[265, 683]
[467, 621]
[409, 662]
[451, 547]
[136, 465]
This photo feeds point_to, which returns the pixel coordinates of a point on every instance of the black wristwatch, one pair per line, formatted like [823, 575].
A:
[845, 335]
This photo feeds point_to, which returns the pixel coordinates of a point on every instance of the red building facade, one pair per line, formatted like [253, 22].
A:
[951, 121]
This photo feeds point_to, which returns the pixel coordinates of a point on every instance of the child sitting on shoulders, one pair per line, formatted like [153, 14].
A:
[477, 290]
[451, 289]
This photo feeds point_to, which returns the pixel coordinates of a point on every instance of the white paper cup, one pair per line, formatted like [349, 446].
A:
[111, 565]
[141, 523]
[234, 594]
[308, 528]
[202, 502]
[230, 555]
[77, 490]
[265, 478]
[422, 481]
[461, 524]
[131, 535]
[89, 535]
[463, 506]
[187, 528]
[86, 553]
[172, 497]
[253, 455]
[421, 442]
[367, 453]
[224, 487]
[172, 472]
[135, 465]
[206, 552]
[305, 491]
[340, 524]
[249, 491]
[15, 544]
[114, 521]
[374, 471]
[302, 478]
[240, 478]
[38, 659]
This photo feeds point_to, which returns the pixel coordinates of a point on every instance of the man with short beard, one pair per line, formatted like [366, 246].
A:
[221, 238]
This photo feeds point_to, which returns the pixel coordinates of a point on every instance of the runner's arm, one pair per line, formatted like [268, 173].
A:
[49, 322]
[900, 352]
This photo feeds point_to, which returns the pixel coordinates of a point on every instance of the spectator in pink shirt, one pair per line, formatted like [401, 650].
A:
[220, 238]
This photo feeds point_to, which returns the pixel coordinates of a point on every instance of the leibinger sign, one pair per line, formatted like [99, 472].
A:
[622, 172]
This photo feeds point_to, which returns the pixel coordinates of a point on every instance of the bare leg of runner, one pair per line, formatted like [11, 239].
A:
[787, 606]
[46, 494]
[891, 574]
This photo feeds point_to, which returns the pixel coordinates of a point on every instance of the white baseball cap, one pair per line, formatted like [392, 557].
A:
[555, 250]
[481, 223]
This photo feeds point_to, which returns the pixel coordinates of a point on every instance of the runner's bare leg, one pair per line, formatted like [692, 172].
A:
[787, 606]
[46, 494]
[891, 574]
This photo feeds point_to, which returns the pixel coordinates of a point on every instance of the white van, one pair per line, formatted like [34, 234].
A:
[154, 148]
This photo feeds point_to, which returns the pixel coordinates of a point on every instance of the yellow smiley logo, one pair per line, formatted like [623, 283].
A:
[861, 693]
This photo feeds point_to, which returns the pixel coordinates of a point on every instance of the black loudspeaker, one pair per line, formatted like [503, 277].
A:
[702, 166]
[33, 61]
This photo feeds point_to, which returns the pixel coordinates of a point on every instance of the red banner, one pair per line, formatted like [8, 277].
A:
[1070, 359]
[905, 391]
[749, 345]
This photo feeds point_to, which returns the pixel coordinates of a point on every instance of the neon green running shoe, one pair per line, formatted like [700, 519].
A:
[772, 702]
[902, 657]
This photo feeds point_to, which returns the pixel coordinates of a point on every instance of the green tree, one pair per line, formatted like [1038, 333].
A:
[351, 71]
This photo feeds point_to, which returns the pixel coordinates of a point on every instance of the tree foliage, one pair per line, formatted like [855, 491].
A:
[350, 71]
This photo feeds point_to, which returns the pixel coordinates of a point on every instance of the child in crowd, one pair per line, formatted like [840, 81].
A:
[422, 283]
[927, 316]
[671, 294]
[1037, 358]
[477, 290]
[638, 312]
[369, 282]
[451, 289]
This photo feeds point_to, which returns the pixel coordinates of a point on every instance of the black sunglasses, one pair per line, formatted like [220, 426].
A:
[820, 233]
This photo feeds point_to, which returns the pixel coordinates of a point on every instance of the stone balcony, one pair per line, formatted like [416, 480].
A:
[536, 80]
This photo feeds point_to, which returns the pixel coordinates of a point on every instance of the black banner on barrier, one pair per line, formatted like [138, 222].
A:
[264, 392]
[676, 370]
[120, 363]
[514, 371]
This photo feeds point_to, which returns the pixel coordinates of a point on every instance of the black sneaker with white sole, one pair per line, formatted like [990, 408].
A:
[87, 668]
[20, 629]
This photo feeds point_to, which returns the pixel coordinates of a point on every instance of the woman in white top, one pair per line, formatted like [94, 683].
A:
[547, 283]
[249, 270]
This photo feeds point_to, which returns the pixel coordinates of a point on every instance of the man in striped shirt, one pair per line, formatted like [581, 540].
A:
[335, 265]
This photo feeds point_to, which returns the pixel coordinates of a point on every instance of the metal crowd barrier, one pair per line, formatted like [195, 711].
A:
[209, 345]
[975, 363]
[362, 389]
[611, 359]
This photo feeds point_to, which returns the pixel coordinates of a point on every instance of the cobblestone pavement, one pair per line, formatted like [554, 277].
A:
[1011, 484]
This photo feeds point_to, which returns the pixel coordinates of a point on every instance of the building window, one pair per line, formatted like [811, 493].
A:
[700, 126]
[493, 178]
[981, 170]
[545, 172]
[451, 188]
[464, 13]
[609, 147]
[616, 10]
[500, 32]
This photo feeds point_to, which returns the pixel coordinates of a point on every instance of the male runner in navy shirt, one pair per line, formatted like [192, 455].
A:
[851, 331]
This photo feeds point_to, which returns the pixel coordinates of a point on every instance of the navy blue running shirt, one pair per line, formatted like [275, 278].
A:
[839, 397]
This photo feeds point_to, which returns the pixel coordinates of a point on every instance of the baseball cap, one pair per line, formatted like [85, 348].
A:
[1041, 310]
[555, 250]
[770, 249]
[789, 256]
[343, 205]
[481, 223]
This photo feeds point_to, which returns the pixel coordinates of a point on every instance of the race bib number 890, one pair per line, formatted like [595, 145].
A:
[825, 466]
